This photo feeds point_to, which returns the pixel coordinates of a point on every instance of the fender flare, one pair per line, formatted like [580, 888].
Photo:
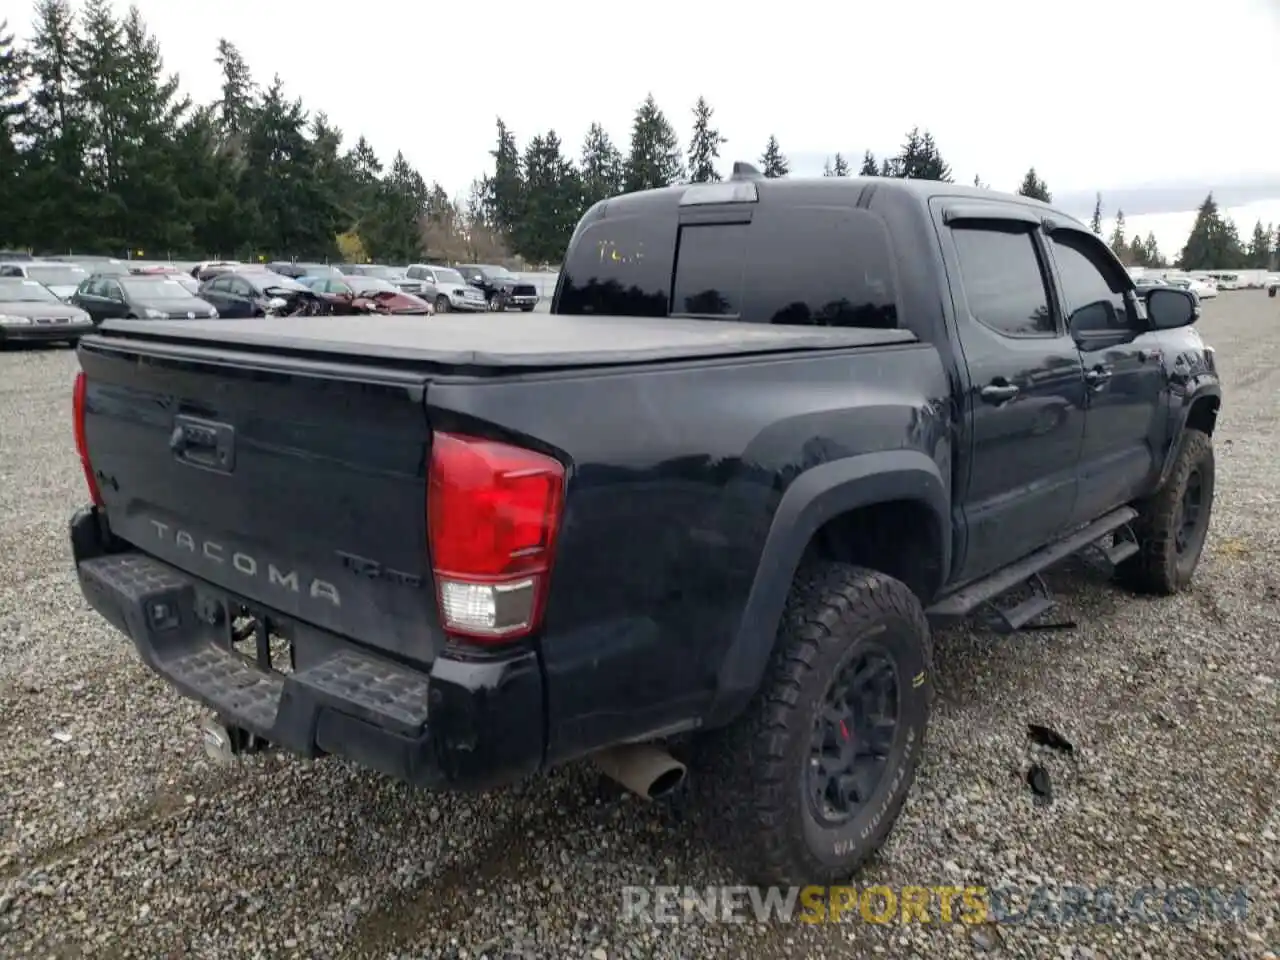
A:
[816, 496]
[1210, 390]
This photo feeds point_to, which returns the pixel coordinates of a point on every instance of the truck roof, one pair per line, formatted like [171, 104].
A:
[503, 341]
[799, 189]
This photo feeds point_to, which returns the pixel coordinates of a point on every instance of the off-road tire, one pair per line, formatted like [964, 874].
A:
[1158, 567]
[750, 779]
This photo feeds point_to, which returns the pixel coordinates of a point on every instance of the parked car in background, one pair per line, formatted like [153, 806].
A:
[396, 275]
[207, 269]
[250, 292]
[501, 288]
[365, 295]
[1143, 283]
[1203, 289]
[61, 278]
[14, 256]
[140, 297]
[446, 289]
[1273, 285]
[30, 311]
[298, 270]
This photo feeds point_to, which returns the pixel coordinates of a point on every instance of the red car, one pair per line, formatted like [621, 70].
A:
[366, 295]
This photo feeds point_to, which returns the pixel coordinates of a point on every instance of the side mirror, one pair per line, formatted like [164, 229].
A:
[1169, 308]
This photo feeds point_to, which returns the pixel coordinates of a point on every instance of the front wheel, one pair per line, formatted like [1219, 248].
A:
[442, 304]
[808, 783]
[1173, 524]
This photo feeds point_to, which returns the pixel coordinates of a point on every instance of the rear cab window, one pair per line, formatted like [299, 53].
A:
[803, 265]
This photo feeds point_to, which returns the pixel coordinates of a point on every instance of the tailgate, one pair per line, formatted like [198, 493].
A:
[298, 486]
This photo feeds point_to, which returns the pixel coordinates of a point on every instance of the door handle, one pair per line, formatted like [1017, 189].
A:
[1098, 376]
[998, 393]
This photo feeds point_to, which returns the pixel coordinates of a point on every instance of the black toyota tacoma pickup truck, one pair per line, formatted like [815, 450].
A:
[700, 517]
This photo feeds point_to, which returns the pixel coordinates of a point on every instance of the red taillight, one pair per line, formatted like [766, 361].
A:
[82, 446]
[493, 511]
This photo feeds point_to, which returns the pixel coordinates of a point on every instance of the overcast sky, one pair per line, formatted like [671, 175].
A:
[1100, 95]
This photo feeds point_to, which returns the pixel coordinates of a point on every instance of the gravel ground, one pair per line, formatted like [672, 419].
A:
[119, 839]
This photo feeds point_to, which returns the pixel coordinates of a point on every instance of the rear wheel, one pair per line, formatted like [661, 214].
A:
[807, 784]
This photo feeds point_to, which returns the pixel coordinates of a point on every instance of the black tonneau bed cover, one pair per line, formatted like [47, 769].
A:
[501, 341]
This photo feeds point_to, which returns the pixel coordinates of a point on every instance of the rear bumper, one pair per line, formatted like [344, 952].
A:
[461, 724]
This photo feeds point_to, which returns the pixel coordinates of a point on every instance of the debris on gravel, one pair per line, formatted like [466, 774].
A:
[119, 838]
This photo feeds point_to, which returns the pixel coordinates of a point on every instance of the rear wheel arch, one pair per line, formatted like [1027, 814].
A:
[884, 511]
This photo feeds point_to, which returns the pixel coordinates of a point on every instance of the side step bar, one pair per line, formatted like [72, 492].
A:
[967, 599]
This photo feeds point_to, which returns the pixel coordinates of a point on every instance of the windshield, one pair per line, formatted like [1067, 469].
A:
[19, 290]
[57, 276]
[155, 288]
[188, 282]
[445, 275]
[364, 285]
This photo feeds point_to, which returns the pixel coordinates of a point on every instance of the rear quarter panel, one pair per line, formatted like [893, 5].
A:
[676, 475]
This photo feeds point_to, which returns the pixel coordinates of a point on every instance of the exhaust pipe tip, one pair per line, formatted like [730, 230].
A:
[648, 771]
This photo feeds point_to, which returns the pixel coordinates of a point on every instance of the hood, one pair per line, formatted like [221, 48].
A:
[175, 307]
[36, 311]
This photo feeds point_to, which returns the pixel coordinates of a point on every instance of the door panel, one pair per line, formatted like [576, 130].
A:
[1025, 406]
[1125, 381]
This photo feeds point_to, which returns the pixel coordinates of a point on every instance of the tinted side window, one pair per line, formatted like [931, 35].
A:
[1094, 295]
[1003, 279]
[620, 266]
[820, 266]
[415, 273]
[112, 290]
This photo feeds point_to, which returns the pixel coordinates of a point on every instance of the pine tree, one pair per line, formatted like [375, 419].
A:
[601, 167]
[773, 164]
[1260, 249]
[506, 185]
[1151, 256]
[888, 167]
[54, 132]
[655, 159]
[869, 168]
[238, 89]
[919, 158]
[554, 195]
[841, 166]
[13, 109]
[827, 169]
[704, 145]
[1117, 234]
[977, 182]
[1213, 242]
[1034, 187]
[1095, 222]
